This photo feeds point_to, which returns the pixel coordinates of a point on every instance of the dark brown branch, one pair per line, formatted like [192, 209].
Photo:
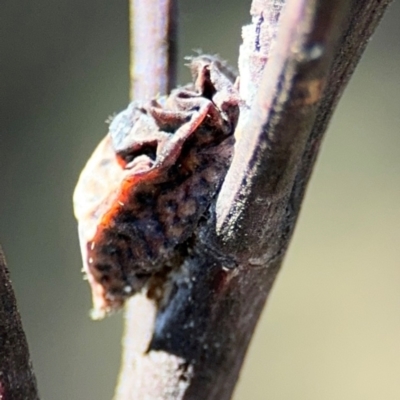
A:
[274, 133]
[363, 18]
[17, 380]
[273, 136]
[193, 347]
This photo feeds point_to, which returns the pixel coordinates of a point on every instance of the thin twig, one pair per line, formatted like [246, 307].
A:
[153, 37]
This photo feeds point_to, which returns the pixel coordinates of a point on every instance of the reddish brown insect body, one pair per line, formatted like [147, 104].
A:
[149, 182]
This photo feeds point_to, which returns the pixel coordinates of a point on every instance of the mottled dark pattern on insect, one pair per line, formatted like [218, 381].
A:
[145, 188]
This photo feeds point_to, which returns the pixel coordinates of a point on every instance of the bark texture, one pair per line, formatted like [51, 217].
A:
[17, 380]
[295, 62]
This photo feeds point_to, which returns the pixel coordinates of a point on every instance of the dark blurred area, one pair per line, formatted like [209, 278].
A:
[332, 325]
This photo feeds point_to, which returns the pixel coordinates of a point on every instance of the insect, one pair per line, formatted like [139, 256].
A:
[144, 190]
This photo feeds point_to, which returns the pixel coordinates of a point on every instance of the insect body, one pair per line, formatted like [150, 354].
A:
[143, 192]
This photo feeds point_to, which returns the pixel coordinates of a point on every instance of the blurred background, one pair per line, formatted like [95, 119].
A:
[331, 329]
